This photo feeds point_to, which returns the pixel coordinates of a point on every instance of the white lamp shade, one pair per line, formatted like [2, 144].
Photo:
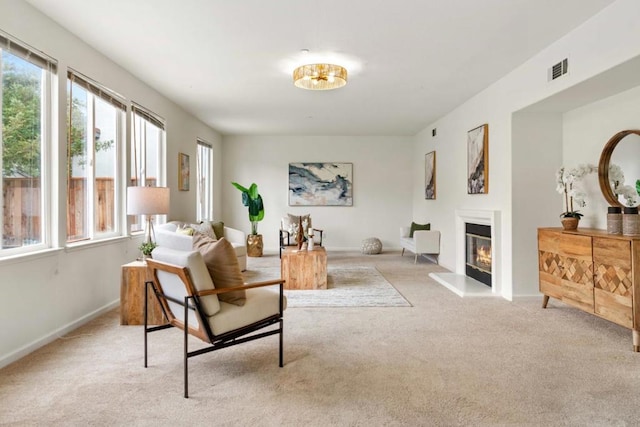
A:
[147, 200]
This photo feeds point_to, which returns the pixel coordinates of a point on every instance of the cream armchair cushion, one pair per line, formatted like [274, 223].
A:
[174, 287]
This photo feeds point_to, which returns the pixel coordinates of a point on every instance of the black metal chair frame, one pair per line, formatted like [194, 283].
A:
[192, 302]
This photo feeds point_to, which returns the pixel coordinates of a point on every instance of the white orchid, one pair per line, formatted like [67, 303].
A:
[567, 184]
[616, 177]
[616, 180]
[629, 193]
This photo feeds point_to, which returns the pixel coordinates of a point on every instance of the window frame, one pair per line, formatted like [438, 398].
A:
[204, 212]
[138, 172]
[48, 85]
[96, 91]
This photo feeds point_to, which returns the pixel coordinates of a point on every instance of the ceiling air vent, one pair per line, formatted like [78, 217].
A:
[559, 69]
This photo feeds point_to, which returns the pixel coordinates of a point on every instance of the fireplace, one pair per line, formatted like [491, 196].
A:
[478, 252]
[488, 238]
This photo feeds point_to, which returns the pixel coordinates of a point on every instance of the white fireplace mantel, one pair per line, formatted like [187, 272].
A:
[458, 282]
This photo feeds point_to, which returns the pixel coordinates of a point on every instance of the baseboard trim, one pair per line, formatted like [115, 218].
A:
[49, 338]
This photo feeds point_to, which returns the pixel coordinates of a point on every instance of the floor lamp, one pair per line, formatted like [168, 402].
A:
[148, 201]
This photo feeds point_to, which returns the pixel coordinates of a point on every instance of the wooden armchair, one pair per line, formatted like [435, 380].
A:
[189, 301]
[289, 227]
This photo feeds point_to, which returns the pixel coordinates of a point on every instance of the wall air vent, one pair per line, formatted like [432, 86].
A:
[559, 69]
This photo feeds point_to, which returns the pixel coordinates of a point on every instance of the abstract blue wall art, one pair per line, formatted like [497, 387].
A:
[320, 184]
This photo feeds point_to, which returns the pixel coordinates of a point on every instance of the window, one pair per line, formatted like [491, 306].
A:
[147, 154]
[95, 133]
[25, 95]
[204, 178]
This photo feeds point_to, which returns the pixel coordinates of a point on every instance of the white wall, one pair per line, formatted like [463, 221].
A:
[450, 145]
[382, 184]
[537, 150]
[51, 293]
[607, 39]
[586, 130]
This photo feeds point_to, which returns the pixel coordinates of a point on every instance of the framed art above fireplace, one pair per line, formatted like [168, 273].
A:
[478, 160]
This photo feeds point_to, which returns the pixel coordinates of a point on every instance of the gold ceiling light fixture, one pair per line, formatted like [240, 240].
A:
[320, 76]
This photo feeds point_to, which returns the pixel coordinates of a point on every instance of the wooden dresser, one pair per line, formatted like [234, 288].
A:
[594, 271]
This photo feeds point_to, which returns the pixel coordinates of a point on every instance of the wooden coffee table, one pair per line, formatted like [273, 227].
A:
[304, 269]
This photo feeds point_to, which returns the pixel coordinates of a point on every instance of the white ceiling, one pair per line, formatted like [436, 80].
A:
[230, 62]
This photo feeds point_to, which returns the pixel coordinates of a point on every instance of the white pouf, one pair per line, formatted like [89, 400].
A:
[371, 246]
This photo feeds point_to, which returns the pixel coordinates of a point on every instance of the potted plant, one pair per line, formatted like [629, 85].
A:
[567, 184]
[146, 248]
[253, 200]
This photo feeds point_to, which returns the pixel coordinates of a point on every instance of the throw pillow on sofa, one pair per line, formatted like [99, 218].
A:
[416, 227]
[186, 230]
[205, 228]
[215, 230]
[218, 229]
[222, 263]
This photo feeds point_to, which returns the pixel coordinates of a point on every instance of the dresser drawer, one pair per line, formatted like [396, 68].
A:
[613, 283]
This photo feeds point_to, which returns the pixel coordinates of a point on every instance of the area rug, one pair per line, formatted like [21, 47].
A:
[346, 287]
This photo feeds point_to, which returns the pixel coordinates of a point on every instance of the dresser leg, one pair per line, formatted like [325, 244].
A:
[545, 301]
[636, 340]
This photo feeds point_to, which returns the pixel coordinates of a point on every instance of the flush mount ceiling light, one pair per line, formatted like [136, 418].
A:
[320, 76]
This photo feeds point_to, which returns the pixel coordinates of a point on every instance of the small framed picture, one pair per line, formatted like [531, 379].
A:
[183, 172]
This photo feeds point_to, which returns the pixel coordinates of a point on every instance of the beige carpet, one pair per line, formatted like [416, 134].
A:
[446, 361]
[347, 286]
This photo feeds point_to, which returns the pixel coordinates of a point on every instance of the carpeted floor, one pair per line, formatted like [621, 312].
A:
[347, 286]
[444, 361]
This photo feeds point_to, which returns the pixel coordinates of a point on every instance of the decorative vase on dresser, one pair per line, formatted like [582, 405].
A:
[614, 220]
[630, 221]
[594, 271]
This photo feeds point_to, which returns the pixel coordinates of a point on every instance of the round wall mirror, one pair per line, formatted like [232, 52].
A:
[622, 150]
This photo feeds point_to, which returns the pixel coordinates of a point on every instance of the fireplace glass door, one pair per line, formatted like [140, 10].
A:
[478, 252]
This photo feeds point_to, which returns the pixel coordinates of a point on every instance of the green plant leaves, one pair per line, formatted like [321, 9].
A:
[252, 199]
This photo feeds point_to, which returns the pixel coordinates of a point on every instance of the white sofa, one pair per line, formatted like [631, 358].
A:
[423, 242]
[166, 236]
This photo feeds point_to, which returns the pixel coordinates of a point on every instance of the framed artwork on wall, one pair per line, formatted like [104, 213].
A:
[478, 160]
[430, 176]
[183, 172]
[321, 184]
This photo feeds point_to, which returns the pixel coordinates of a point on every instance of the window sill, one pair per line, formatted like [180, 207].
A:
[49, 252]
[29, 256]
[72, 247]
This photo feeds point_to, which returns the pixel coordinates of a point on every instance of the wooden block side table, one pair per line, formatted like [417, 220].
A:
[134, 275]
[304, 269]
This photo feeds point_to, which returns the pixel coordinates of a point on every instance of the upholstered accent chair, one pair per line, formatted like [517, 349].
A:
[289, 226]
[420, 241]
[191, 287]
